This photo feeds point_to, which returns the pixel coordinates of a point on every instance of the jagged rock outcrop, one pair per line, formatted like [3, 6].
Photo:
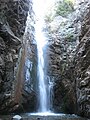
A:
[63, 92]
[68, 60]
[13, 16]
[61, 50]
[82, 68]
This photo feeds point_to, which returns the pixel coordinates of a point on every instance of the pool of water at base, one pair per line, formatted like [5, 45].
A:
[44, 116]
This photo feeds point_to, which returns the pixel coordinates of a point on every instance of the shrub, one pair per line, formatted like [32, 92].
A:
[48, 18]
[64, 7]
[69, 36]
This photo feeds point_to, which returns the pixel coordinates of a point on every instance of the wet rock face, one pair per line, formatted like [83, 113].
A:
[64, 97]
[63, 92]
[69, 60]
[60, 53]
[82, 68]
[13, 15]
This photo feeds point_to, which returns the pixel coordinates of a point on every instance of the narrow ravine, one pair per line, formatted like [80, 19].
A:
[45, 59]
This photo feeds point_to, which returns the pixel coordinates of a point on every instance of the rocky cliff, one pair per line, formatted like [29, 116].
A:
[68, 60]
[82, 68]
[13, 16]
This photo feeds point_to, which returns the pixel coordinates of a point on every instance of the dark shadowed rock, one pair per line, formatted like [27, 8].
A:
[82, 69]
[13, 16]
[68, 60]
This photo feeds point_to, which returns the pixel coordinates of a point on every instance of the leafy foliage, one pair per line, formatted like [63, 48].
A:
[64, 7]
[48, 18]
[69, 36]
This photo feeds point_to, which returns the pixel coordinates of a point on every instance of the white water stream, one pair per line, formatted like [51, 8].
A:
[43, 106]
[43, 84]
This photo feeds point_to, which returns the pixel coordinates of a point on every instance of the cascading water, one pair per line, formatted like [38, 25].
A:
[43, 106]
[43, 84]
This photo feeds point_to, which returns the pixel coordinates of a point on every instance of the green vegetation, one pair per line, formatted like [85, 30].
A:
[61, 8]
[58, 22]
[49, 18]
[64, 7]
[69, 36]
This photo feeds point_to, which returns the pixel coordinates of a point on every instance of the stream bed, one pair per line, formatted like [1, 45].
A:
[29, 116]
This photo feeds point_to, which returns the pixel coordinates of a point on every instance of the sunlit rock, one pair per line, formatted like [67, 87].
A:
[17, 117]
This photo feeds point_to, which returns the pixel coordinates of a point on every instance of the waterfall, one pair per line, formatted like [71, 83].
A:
[43, 84]
[43, 101]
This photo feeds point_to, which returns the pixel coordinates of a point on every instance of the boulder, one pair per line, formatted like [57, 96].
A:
[17, 117]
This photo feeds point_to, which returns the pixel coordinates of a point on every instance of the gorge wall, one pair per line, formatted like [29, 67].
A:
[82, 68]
[68, 60]
[14, 91]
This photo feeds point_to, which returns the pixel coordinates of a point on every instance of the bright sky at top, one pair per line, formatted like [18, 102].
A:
[42, 6]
